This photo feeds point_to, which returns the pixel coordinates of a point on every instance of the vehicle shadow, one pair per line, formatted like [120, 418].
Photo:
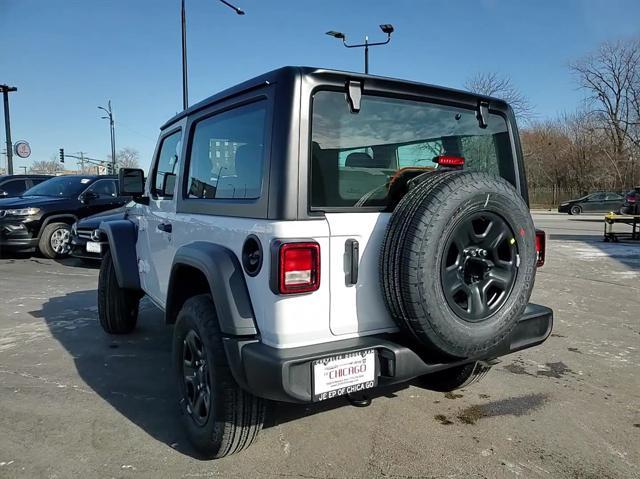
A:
[10, 254]
[134, 372]
[6, 253]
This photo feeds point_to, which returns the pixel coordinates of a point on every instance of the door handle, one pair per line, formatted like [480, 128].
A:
[352, 254]
[166, 227]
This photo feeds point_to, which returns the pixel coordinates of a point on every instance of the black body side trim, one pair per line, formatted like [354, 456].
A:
[226, 282]
[285, 374]
[122, 236]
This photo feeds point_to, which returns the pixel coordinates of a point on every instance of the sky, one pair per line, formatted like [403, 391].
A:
[67, 57]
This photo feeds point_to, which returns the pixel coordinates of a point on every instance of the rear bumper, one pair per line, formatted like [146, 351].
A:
[285, 374]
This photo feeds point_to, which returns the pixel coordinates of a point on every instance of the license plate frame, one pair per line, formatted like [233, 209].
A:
[329, 379]
[93, 247]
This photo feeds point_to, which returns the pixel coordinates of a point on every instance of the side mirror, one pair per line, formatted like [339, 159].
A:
[131, 182]
[87, 196]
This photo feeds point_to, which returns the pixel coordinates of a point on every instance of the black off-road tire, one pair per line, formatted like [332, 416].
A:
[44, 244]
[395, 235]
[413, 251]
[454, 378]
[235, 416]
[117, 307]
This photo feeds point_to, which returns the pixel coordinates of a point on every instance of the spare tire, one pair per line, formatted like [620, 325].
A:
[458, 262]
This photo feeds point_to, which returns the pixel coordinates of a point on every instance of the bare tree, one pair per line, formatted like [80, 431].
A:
[46, 167]
[611, 77]
[127, 158]
[493, 84]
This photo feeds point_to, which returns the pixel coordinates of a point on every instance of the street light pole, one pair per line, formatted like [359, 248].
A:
[112, 130]
[366, 54]
[7, 125]
[386, 28]
[183, 20]
[185, 93]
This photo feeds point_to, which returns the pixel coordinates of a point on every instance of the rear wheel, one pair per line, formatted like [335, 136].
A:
[220, 417]
[454, 378]
[55, 241]
[117, 307]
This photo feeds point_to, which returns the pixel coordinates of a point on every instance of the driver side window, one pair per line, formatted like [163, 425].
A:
[167, 166]
[104, 189]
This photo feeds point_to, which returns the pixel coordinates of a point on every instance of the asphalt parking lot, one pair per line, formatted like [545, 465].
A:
[77, 403]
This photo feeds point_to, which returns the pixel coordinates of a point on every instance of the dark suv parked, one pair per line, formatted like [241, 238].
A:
[631, 204]
[15, 185]
[85, 243]
[42, 217]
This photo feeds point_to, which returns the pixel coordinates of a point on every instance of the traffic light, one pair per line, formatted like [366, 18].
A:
[61, 155]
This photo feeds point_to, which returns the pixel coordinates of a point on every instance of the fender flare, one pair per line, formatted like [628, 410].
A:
[227, 284]
[122, 236]
[54, 217]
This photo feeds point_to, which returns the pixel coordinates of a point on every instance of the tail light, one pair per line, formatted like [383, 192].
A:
[298, 267]
[541, 246]
[446, 160]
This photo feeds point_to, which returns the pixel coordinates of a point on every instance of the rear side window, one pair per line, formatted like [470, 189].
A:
[353, 156]
[167, 166]
[227, 154]
[14, 187]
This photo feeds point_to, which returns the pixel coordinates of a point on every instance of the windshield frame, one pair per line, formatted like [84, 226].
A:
[442, 97]
[76, 194]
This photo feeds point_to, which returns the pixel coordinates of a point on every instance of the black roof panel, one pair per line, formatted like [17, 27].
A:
[288, 71]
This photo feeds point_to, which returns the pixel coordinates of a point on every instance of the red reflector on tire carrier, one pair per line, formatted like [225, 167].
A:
[541, 246]
[299, 268]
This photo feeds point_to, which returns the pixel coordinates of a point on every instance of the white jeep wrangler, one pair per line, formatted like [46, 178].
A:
[314, 233]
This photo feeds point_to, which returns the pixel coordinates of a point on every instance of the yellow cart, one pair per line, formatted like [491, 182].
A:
[631, 220]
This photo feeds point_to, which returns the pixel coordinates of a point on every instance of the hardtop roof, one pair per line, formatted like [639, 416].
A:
[274, 76]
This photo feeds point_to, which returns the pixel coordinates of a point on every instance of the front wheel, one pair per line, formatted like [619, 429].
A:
[117, 307]
[454, 378]
[575, 210]
[54, 241]
[220, 418]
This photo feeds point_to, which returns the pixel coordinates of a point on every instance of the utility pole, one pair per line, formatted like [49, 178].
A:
[113, 134]
[81, 153]
[7, 125]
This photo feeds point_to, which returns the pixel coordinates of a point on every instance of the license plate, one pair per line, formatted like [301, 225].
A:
[93, 247]
[343, 374]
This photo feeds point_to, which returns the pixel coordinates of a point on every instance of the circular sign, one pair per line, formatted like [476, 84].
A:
[22, 149]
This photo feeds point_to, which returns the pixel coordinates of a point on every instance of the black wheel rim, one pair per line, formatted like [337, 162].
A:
[479, 265]
[195, 373]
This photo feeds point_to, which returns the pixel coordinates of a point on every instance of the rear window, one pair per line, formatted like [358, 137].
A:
[353, 156]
